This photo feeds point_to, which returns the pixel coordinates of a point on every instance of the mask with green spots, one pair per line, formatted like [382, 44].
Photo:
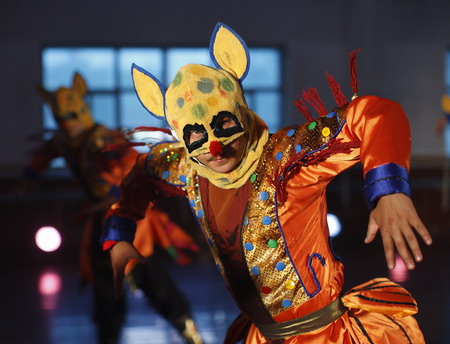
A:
[199, 99]
[206, 107]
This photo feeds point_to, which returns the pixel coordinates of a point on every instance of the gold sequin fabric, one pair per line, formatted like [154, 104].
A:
[169, 162]
[266, 254]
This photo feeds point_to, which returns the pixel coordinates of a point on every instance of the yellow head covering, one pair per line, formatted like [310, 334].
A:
[68, 104]
[199, 96]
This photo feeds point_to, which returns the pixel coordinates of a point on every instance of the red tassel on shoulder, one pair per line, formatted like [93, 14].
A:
[301, 106]
[354, 79]
[313, 98]
[338, 95]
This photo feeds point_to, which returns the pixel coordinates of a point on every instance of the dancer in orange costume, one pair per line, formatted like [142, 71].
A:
[261, 201]
[84, 145]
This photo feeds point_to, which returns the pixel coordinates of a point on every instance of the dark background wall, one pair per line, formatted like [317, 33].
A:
[403, 44]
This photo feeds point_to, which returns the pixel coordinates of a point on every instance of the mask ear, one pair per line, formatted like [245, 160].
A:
[79, 85]
[149, 91]
[45, 95]
[229, 51]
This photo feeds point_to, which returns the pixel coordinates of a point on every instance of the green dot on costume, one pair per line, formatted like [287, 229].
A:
[205, 85]
[248, 246]
[227, 84]
[256, 271]
[266, 220]
[172, 252]
[176, 81]
[180, 102]
[286, 303]
[264, 196]
[290, 132]
[165, 174]
[198, 111]
[312, 125]
[272, 243]
[253, 177]
[280, 266]
[279, 156]
[174, 157]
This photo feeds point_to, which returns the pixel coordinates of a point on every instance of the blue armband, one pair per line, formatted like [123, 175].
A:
[385, 180]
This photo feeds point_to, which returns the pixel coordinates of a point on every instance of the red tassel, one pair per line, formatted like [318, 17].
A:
[313, 98]
[298, 160]
[338, 96]
[139, 129]
[354, 80]
[215, 148]
[124, 145]
[301, 106]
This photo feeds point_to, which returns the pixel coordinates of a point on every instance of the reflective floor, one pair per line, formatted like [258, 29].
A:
[45, 305]
[42, 302]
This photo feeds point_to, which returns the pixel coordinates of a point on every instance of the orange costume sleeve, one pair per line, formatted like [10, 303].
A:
[380, 130]
[379, 310]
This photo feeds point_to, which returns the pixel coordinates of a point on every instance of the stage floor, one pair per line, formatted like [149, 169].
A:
[43, 303]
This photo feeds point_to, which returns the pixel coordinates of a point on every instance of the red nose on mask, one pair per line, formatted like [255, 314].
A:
[215, 148]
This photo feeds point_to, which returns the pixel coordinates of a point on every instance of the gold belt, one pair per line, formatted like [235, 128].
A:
[307, 323]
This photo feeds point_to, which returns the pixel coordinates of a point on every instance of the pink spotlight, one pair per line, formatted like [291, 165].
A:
[400, 273]
[49, 288]
[49, 283]
[48, 239]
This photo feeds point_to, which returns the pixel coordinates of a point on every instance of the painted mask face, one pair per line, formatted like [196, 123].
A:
[69, 108]
[206, 109]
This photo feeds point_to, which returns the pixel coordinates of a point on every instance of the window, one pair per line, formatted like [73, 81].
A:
[112, 99]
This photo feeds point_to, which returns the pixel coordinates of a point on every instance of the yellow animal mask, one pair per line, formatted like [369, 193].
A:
[199, 98]
[69, 108]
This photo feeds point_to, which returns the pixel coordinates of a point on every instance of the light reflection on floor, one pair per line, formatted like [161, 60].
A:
[33, 310]
[65, 309]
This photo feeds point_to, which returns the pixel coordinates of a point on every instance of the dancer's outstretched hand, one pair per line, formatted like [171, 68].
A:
[397, 220]
[121, 254]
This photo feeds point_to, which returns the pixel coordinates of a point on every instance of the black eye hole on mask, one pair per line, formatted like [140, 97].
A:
[67, 116]
[225, 124]
[194, 136]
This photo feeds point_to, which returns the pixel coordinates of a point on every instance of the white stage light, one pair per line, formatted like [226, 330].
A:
[48, 239]
[334, 225]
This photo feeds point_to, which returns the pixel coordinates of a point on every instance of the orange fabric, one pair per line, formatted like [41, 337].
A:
[157, 228]
[382, 130]
[221, 201]
[379, 316]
